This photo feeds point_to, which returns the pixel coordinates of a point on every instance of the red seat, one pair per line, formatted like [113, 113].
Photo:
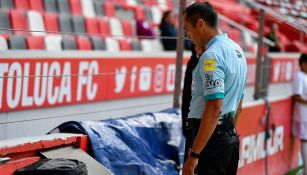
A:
[36, 5]
[150, 3]
[51, 22]
[139, 13]
[36, 42]
[235, 35]
[21, 4]
[127, 27]
[75, 7]
[91, 25]
[83, 43]
[104, 26]
[19, 21]
[109, 9]
[125, 45]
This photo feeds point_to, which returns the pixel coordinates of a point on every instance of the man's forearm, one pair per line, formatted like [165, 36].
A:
[207, 126]
[299, 99]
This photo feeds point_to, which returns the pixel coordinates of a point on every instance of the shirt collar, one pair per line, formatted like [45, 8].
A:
[215, 38]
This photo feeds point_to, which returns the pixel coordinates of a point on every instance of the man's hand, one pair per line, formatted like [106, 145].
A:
[189, 166]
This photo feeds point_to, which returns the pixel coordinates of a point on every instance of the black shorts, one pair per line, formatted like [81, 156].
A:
[220, 156]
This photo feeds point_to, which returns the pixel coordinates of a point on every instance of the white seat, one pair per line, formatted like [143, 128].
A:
[132, 2]
[147, 45]
[116, 27]
[88, 8]
[162, 4]
[156, 15]
[3, 43]
[112, 45]
[53, 43]
[36, 23]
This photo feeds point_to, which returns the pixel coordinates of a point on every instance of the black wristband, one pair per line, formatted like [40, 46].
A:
[194, 154]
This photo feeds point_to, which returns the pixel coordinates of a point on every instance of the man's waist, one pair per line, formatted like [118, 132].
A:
[225, 120]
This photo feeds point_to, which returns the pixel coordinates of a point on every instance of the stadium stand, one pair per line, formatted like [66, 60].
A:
[107, 18]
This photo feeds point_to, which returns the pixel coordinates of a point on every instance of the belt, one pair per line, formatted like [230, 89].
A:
[192, 122]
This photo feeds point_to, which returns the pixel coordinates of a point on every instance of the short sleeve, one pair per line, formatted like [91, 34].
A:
[297, 84]
[213, 75]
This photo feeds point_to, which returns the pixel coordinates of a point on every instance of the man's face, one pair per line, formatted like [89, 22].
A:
[304, 67]
[192, 32]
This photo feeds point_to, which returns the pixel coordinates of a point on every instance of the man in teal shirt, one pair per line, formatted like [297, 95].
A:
[217, 93]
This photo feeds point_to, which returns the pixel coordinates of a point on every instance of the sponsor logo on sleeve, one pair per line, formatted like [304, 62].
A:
[209, 65]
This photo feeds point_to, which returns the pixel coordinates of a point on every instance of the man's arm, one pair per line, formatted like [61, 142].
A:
[299, 99]
[239, 110]
[208, 123]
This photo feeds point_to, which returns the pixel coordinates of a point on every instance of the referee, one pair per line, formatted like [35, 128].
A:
[218, 89]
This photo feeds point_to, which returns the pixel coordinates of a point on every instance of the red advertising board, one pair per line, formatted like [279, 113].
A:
[33, 83]
[281, 148]
[45, 82]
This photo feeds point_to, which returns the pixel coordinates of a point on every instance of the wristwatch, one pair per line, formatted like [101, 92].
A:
[194, 154]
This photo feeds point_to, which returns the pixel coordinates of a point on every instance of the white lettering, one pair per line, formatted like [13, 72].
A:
[26, 100]
[3, 68]
[159, 78]
[120, 78]
[81, 79]
[53, 91]
[40, 90]
[14, 69]
[133, 79]
[65, 89]
[91, 88]
[145, 79]
[170, 79]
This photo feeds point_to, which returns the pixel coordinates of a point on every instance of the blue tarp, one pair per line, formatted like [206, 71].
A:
[145, 144]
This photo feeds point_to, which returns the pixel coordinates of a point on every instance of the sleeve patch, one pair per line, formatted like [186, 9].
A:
[209, 65]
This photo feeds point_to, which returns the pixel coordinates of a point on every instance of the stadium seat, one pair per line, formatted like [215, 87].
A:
[116, 27]
[7, 4]
[37, 5]
[5, 22]
[136, 46]
[99, 8]
[51, 22]
[36, 43]
[132, 3]
[147, 45]
[128, 27]
[125, 45]
[63, 6]
[162, 4]
[109, 9]
[3, 43]
[68, 43]
[98, 43]
[17, 42]
[19, 21]
[91, 25]
[149, 15]
[83, 43]
[139, 13]
[78, 24]
[104, 26]
[21, 4]
[75, 7]
[235, 35]
[88, 8]
[156, 15]
[150, 2]
[65, 23]
[36, 23]
[112, 44]
[53, 43]
[50, 6]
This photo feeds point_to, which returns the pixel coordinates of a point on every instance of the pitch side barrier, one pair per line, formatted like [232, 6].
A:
[264, 128]
[39, 79]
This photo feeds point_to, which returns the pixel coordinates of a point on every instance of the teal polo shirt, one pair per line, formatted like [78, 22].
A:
[221, 73]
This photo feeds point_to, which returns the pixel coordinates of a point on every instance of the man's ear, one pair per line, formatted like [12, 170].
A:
[200, 24]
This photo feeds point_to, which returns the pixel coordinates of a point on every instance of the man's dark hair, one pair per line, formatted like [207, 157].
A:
[303, 59]
[201, 10]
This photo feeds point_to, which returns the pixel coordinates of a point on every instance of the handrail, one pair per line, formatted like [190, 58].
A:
[281, 17]
[243, 28]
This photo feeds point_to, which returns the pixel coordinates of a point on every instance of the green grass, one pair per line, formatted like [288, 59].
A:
[294, 171]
